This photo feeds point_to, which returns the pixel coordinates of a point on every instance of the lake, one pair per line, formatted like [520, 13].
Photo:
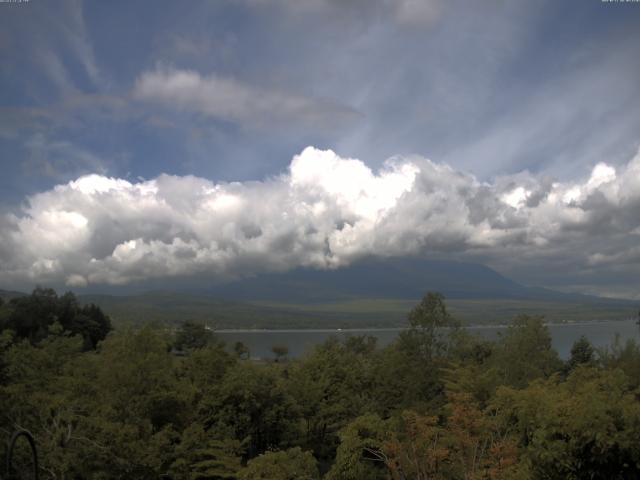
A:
[600, 334]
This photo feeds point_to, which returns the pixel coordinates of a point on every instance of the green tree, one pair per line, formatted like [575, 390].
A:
[202, 456]
[44, 393]
[192, 336]
[407, 446]
[137, 380]
[280, 351]
[360, 454]
[291, 464]
[32, 317]
[584, 427]
[582, 353]
[241, 350]
[92, 324]
[361, 344]
[409, 370]
[431, 313]
[470, 367]
[430, 326]
[481, 448]
[624, 356]
[252, 405]
[205, 368]
[403, 378]
[525, 352]
[331, 386]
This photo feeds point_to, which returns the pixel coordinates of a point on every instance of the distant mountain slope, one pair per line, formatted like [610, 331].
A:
[9, 294]
[173, 308]
[400, 278]
[375, 293]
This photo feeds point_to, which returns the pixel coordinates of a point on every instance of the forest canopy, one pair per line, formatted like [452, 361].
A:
[437, 403]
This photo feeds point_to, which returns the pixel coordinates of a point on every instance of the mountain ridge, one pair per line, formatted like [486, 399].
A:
[405, 278]
[371, 293]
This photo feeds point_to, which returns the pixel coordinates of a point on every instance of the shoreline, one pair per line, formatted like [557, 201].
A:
[397, 329]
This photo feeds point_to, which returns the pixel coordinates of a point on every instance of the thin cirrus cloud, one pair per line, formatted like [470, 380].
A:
[231, 100]
[404, 12]
[323, 212]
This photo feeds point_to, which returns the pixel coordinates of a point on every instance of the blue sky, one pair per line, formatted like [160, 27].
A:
[230, 91]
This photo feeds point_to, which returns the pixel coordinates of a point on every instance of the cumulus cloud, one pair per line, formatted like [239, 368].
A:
[232, 100]
[323, 212]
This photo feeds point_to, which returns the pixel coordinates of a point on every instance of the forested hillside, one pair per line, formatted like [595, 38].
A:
[372, 292]
[435, 404]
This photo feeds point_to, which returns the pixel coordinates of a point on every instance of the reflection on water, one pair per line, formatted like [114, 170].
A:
[600, 334]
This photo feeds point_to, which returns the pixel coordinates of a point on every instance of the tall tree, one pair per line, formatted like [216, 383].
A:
[582, 353]
[330, 386]
[525, 352]
[202, 455]
[291, 464]
[584, 427]
[192, 336]
[252, 405]
[33, 316]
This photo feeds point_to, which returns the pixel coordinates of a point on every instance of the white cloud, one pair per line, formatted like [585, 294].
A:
[324, 212]
[516, 197]
[232, 100]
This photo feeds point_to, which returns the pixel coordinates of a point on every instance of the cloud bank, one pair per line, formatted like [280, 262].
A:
[323, 212]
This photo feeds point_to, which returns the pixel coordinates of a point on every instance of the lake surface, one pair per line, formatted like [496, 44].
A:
[600, 334]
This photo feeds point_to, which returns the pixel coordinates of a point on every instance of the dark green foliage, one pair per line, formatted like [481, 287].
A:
[192, 335]
[205, 368]
[253, 405]
[331, 385]
[292, 464]
[201, 456]
[431, 327]
[625, 356]
[358, 456]
[91, 323]
[582, 353]
[32, 317]
[406, 373]
[361, 344]
[585, 427]
[430, 313]
[280, 351]
[525, 353]
[437, 403]
[241, 350]
[409, 370]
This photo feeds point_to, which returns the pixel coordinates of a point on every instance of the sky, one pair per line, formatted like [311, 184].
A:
[146, 142]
